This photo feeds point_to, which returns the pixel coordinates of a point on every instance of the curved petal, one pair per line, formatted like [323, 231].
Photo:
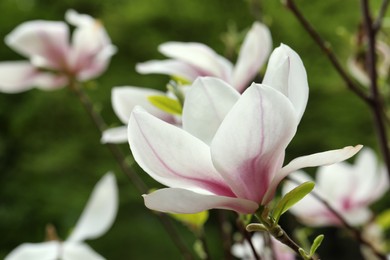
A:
[200, 56]
[253, 54]
[19, 76]
[169, 67]
[286, 73]
[100, 211]
[181, 201]
[44, 42]
[39, 251]
[248, 147]
[73, 251]
[206, 105]
[313, 160]
[124, 99]
[116, 135]
[91, 46]
[167, 153]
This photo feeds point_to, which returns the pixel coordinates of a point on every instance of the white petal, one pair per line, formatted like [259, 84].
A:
[313, 160]
[18, 76]
[206, 105]
[200, 56]
[39, 251]
[286, 73]
[116, 135]
[253, 53]
[43, 42]
[124, 99]
[358, 216]
[175, 200]
[248, 147]
[169, 67]
[79, 251]
[100, 211]
[167, 153]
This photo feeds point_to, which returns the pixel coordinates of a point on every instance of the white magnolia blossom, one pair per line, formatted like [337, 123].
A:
[189, 60]
[229, 151]
[349, 189]
[97, 217]
[279, 251]
[54, 59]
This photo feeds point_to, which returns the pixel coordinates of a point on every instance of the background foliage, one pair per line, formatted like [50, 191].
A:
[50, 153]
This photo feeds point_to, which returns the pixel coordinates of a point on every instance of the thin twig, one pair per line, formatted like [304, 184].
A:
[121, 160]
[327, 50]
[247, 237]
[379, 19]
[355, 232]
[376, 104]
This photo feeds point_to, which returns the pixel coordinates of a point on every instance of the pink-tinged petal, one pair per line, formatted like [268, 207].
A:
[100, 211]
[199, 55]
[44, 42]
[91, 46]
[39, 251]
[357, 216]
[313, 160]
[286, 73]
[207, 103]
[18, 76]
[124, 99]
[169, 67]
[181, 201]
[74, 251]
[248, 147]
[172, 156]
[116, 135]
[253, 54]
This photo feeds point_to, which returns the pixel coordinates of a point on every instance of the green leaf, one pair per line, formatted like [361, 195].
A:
[166, 104]
[291, 198]
[316, 243]
[194, 221]
[383, 219]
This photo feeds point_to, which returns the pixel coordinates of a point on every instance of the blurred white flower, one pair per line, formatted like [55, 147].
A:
[349, 189]
[97, 217]
[189, 60]
[53, 60]
[244, 251]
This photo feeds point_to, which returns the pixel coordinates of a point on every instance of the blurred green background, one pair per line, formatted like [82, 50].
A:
[50, 153]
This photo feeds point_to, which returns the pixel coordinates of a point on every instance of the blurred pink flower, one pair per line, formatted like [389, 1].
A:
[189, 60]
[280, 251]
[230, 149]
[97, 217]
[349, 189]
[53, 60]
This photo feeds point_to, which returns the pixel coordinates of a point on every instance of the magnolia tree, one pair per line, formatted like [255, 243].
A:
[217, 139]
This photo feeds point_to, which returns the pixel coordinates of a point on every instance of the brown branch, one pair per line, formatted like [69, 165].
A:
[121, 160]
[327, 50]
[382, 11]
[376, 104]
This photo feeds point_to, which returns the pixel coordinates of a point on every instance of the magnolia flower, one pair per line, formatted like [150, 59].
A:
[244, 251]
[97, 217]
[349, 189]
[191, 60]
[53, 61]
[123, 100]
[230, 149]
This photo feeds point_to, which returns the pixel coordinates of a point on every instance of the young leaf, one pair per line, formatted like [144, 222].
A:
[291, 198]
[316, 243]
[169, 105]
[254, 227]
